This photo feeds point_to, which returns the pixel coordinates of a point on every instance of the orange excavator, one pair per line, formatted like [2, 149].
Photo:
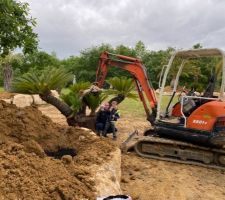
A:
[190, 131]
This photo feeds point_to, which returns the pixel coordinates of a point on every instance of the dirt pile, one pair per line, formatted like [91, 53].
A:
[26, 172]
[6, 95]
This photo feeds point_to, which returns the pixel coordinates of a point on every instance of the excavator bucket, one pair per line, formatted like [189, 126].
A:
[130, 142]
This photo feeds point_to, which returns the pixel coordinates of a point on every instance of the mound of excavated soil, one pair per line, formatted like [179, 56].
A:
[6, 95]
[26, 172]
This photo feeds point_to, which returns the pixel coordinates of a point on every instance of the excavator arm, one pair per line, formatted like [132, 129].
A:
[135, 67]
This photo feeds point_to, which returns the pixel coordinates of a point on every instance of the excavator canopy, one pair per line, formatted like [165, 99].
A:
[197, 53]
[185, 55]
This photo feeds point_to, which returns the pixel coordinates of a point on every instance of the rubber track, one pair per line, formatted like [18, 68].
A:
[162, 141]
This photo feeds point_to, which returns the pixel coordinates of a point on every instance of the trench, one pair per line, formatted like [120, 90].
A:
[61, 152]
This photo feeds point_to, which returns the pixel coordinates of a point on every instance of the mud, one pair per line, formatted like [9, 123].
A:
[26, 172]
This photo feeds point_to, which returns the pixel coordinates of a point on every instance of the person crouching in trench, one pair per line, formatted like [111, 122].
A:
[113, 115]
[101, 118]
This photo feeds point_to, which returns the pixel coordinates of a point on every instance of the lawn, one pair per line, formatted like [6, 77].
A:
[135, 107]
[132, 107]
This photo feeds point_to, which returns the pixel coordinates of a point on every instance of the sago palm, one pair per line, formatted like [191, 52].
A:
[93, 101]
[50, 79]
[72, 96]
[79, 87]
[76, 97]
[72, 99]
[122, 88]
[79, 97]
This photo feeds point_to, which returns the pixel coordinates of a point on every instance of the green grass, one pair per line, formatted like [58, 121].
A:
[135, 108]
[1, 89]
[132, 108]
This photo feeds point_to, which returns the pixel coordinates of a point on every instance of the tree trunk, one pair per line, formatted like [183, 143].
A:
[87, 122]
[7, 76]
[119, 98]
[82, 111]
[72, 120]
[61, 106]
[92, 113]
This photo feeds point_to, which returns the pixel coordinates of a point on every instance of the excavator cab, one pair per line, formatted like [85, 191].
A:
[193, 111]
[191, 99]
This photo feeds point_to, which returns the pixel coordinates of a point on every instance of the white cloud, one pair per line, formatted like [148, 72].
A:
[69, 26]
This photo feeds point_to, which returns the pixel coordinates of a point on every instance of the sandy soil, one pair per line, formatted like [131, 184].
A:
[26, 172]
[6, 95]
[143, 179]
[146, 179]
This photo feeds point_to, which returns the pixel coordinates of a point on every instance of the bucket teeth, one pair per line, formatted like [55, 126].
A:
[125, 145]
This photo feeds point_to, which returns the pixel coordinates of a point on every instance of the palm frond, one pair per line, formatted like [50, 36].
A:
[74, 94]
[56, 78]
[121, 86]
[94, 100]
[27, 84]
[80, 87]
[111, 92]
[73, 100]
[132, 96]
[32, 83]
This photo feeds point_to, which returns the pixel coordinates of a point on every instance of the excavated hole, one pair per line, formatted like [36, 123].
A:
[61, 152]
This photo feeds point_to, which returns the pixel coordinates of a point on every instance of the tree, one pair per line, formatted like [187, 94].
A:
[42, 84]
[9, 62]
[39, 60]
[154, 61]
[16, 31]
[78, 100]
[140, 49]
[84, 66]
[121, 88]
[75, 99]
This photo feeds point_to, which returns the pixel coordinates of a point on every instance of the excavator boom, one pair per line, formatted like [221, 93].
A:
[135, 67]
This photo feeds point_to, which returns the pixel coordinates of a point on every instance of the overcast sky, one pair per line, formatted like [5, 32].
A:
[69, 26]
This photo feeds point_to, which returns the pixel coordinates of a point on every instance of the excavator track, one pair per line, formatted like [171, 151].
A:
[180, 152]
